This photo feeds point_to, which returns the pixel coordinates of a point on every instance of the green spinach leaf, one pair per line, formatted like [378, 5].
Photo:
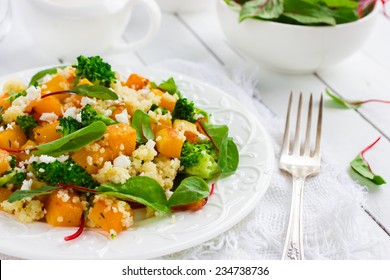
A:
[73, 141]
[100, 92]
[43, 73]
[190, 190]
[142, 189]
[360, 166]
[228, 156]
[262, 9]
[142, 124]
[22, 194]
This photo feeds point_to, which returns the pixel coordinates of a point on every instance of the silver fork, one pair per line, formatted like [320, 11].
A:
[300, 162]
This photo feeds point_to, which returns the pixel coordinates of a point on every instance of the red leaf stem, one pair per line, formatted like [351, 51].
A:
[14, 151]
[367, 101]
[59, 92]
[368, 148]
[212, 189]
[205, 131]
[67, 186]
[78, 232]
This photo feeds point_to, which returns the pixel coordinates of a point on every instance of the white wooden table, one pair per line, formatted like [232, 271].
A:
[199, 38]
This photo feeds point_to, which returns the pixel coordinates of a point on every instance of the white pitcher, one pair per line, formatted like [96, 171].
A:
[68, 28]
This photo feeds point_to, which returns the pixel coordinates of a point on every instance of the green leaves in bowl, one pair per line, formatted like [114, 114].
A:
[303, 12]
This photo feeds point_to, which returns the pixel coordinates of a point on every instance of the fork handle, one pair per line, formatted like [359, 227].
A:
[293, 248]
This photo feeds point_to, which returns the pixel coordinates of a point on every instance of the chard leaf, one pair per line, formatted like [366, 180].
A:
[308, 13]
[360, 166]
[261, 9]
[73, 141]
[142, 189]
[228, 157]
[22, 194]
[169, 86]
[142, 124]
[342, 102]
[190, 190]
[95, 91]
[43, 73]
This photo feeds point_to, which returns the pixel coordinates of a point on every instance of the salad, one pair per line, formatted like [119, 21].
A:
[303, 12]
[82, 147]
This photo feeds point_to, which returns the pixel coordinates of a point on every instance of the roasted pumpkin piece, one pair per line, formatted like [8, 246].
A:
[193, 206]
[199, 126]
[49, 104]
[111, 215]
[57, 83]
[5, 159]
[169, 142]
[136, 82]
[46, 133]
[4, 101]
[118, 110]
[167, 100]
[63, 208]
[27, 146]
[190, 130]
[92, 158]
[4, 194]
[75, 100]
[84, 81]
[121, 139]
[12, 138]
[161, 123]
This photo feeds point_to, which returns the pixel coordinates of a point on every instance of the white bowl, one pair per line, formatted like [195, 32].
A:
[294, 48]
[184, 6]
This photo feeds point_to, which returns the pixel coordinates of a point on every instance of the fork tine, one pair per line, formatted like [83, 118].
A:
[308, 128]
[319, 126]
[297, 137]
[286, 136]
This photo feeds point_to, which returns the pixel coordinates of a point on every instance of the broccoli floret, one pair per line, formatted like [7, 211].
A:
[95, 70]
[68, 125]
[14, 177]
[186, 110]
[199, 159]
[67, 172]
[27, 123]
[89, 115]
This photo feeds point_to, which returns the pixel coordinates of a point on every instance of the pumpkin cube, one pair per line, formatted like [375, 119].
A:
[169, 142]
[121, 139]
[4, 194]
[167, 100]
[190, 130]
[63, 208]
[57, 83]
[136, 82]
[12, 138]
[46, 133]
[4, 161]
[49, 104]
[93, 157]
[111, 214]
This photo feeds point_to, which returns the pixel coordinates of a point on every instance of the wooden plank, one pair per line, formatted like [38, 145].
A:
[378, 45]
[361, 78]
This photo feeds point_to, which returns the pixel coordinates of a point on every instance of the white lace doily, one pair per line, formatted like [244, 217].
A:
[335, 226]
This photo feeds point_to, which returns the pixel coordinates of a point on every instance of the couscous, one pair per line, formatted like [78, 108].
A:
[82, 147]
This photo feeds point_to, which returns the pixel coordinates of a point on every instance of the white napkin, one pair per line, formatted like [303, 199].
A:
[334, 224]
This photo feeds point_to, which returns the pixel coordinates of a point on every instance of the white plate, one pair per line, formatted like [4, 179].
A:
[234, 197]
